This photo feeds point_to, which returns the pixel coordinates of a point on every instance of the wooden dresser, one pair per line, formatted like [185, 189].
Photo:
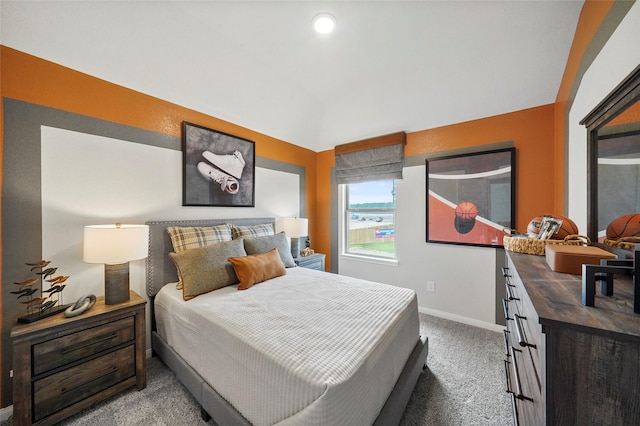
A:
[64, 365]
[566, 363]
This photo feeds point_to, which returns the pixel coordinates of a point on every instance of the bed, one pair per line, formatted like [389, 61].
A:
[275, 354]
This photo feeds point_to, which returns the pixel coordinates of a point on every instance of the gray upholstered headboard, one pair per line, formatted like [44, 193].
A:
[160, 268]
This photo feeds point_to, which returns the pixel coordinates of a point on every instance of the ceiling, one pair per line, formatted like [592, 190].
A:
[388, 66]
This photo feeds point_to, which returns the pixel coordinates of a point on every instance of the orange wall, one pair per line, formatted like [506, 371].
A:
[325, 161]
[35, 80]
[591, 17]
[631, 115]
[531, 130]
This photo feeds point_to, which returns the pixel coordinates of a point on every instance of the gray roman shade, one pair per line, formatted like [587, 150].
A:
[371, 159]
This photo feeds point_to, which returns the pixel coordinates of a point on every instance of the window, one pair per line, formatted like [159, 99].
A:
[370, 218]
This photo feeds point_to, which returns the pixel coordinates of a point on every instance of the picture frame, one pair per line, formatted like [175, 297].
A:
[218, 168]
[549, 226]
[471, 197]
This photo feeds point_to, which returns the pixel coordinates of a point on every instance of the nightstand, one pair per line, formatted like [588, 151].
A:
[315, 261]
[64, 365]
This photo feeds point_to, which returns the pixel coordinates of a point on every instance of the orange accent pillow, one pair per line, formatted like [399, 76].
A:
[257, 268]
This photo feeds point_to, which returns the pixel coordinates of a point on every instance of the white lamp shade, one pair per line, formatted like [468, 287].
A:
[295, 227]
[114, 244]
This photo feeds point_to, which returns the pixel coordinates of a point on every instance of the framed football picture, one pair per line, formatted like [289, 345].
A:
[471, 197]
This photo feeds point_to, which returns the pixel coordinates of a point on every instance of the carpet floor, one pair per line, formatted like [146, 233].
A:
[463, 385]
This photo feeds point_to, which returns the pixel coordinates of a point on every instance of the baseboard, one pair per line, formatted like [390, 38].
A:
[464, 320]
[5, 414]
[149, 353]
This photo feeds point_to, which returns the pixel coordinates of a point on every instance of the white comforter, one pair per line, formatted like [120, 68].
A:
[307, 348]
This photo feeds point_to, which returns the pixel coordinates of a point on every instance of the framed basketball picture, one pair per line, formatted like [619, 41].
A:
[218, 168]
[471, 197]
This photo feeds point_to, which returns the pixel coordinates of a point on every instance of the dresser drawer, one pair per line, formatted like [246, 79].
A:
[60, 390]
[528, 360]
[525, 387]
[532, 334]
[73, 347]
[526, 324]
[526, 353]
[525, 332]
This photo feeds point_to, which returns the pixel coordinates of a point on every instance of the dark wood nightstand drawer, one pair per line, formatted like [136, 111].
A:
[60, 390]
[66, 349]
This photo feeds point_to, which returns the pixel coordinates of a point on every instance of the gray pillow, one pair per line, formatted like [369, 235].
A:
[204, 269]
[259, 245]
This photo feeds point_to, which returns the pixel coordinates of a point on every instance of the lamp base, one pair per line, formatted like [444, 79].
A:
[116, 283]
[295, 247]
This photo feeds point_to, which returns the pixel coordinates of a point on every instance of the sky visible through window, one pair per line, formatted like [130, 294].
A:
[371, 192]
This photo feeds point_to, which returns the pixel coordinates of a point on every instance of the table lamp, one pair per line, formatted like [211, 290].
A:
[294, 228]
[115, 246]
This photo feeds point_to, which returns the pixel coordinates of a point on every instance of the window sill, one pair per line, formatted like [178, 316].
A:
[369, 259]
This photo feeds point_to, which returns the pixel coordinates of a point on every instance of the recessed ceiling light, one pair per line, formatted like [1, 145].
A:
[324, 23]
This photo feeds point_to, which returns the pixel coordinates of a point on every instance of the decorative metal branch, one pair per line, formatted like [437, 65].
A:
[41, 305]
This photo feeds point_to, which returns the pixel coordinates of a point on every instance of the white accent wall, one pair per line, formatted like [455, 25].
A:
[92, 180]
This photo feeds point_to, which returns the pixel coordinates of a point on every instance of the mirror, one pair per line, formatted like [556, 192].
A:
[613, 156]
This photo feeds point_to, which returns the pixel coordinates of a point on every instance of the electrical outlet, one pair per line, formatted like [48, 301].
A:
[10, 373]
[431, 286]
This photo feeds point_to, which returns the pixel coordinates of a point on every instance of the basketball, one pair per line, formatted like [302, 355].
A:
[466, 210]
[463, 226]
[624, 226]
[568, 227]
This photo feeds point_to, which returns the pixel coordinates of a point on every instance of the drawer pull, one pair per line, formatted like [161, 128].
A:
[510, 295]
[514, 360]
[514, 410]
[507, 376]
[111, 371]
[505, 333]
[506, 309]
[90, 343]
[520, 332]
[505, 271]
